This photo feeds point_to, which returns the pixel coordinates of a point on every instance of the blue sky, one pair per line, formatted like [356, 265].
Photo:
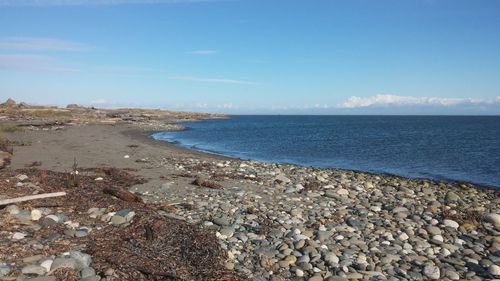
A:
[255, 56]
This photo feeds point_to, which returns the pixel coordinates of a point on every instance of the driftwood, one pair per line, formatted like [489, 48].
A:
[30, 197]
[123, 194]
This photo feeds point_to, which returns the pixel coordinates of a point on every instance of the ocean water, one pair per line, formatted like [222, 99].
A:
[456, 148]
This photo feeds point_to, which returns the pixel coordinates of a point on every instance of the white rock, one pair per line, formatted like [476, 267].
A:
[126, 156]
[494, 270]
[99, 179]
[22, 177]
[342, 191]
[299, 272]
[18, 236]
[53, 217]
[438, 238]
[403, 236]
[36, 214]
[451, 223]
[13, 209]
[47, 264]
[493, 218]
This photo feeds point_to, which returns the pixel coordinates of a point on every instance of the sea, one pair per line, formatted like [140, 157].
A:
[450, 148]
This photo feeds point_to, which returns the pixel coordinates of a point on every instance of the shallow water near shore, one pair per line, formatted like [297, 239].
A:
[457, 148]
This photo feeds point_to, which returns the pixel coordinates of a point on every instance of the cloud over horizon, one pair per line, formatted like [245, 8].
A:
[395, 100]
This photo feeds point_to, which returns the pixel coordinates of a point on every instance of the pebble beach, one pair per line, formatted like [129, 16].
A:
[270, 221]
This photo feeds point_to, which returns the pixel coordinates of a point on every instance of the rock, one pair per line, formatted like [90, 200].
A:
[299, 272]
[83, 260]
[315, 278]
[229, 265]
[50, 220]
[493, 218]
[47, 264]
[451, 197]
[451, 223]
[126, 213]
[36, 214]
[432, 272]
[4, 270]
[222, 221]
[282, 179]
[342, 191]
[18, 236]
[494, 270]
[227, 232]
[34, 269]
[433, 230]
[403, 236]
[12, 209]
[9, 103]
[87, 272]
[21, 177]
[331, 259]
[452, 275]
[118, 220]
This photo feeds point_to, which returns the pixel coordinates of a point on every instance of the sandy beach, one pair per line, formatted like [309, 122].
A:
[271, 222]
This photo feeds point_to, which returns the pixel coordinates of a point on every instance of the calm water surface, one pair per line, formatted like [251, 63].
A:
[438, 147]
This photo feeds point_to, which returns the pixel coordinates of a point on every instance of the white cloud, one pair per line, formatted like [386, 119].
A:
[95, 2]
[203, 52]
[40, 44]
[31, 63]
[211, 80]
[394, 100]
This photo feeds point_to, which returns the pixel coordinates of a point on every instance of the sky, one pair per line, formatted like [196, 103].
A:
[255, 56]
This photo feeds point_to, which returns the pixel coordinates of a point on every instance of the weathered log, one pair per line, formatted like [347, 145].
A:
[123, 194]
[30, 197]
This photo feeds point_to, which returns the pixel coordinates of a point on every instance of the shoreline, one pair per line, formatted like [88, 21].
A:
[374, 173]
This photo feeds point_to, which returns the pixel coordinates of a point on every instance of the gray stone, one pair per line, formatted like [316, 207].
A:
[432, 272]
[331, 259]
[433, 230]
[452, 197]
[4, 270]
[282, 179]
[222, 221]
[87, 272]
[493, 218]
[451, 223]
[227, 231]
[118, 220]
[83, 260]
[34, 269]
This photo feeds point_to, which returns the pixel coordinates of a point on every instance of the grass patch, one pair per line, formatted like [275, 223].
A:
[47, 114]
[9, 128]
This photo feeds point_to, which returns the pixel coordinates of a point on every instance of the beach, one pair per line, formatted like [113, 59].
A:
[262, 221]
